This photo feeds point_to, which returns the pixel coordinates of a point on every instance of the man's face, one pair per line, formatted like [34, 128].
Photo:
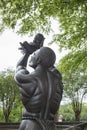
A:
[41, 44]
[34, 58]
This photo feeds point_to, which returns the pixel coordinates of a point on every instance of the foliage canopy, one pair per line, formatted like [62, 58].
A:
[33, 15]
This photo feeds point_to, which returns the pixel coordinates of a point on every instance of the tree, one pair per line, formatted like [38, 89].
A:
[17, 111]
[73, 37]
[67, 112]
[75, 89]
[8, 92]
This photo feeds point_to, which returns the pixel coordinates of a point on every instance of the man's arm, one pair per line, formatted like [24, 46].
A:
[23, 78]
[22, 63]
[21, 74]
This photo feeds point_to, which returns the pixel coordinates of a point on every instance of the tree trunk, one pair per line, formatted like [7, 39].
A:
[77, 116]
[6, 119]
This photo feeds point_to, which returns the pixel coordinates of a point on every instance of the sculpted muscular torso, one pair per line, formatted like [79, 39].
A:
[41, 90]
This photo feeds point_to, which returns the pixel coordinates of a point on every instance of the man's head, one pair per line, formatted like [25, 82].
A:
[44, 56]
[47, 56]
[38, 40]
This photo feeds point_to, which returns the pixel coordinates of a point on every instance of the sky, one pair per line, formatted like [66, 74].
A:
[9, 44]
[9, 54]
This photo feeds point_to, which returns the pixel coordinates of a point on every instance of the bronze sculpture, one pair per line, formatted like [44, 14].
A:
[41, 90]
[32, 46]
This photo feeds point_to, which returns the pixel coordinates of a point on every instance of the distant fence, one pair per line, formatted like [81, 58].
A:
[9, 126]
[60, 126]
[72, 125]
[80, 126]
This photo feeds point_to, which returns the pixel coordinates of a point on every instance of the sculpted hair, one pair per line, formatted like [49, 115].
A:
[47, 56]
